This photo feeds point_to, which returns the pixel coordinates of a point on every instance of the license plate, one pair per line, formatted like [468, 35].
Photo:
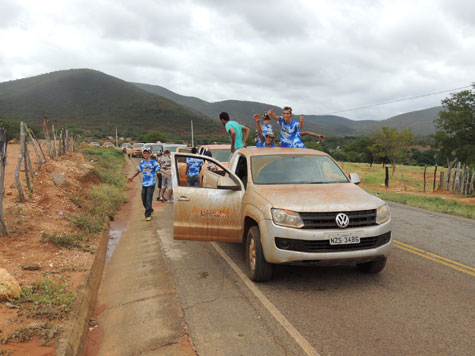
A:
[344, 239]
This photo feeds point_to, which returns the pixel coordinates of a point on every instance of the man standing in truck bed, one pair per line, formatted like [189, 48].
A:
[234, 130]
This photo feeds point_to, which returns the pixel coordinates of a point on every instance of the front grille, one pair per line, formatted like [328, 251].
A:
[327, 220]
[324, 245]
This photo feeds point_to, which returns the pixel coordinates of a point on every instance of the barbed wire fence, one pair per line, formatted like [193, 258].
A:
[67, 143]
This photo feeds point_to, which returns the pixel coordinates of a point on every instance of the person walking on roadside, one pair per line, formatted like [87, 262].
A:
[166, 173]
[265, 138]
[235, 131]
[193, 167]
[148, 167]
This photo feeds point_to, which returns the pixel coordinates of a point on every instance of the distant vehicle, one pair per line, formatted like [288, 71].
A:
[220, 153]
[95, 144]
[172, 147]
[156, 150]
[183, 149]
[124, 146]
[137, 149]
[108, 145]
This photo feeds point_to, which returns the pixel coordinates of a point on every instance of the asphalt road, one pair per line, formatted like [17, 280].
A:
[421, 304]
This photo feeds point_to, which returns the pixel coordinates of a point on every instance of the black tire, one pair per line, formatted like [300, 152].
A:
[258, 269]
[373, 266]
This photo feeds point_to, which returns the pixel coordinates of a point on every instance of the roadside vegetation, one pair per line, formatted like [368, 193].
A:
[439, 204]
[103, 200]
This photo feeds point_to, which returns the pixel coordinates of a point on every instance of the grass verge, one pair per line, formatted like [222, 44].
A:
[103, 200]
[430, 203]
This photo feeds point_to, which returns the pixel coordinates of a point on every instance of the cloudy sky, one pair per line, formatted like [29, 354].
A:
[319, 57]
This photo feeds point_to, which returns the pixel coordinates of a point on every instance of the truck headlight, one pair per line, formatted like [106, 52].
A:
[286, 218]
[382, 214]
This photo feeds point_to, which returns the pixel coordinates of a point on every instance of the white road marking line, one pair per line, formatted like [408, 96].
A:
[299, 339]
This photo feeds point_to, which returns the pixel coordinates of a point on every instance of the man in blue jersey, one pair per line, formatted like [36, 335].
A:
[265, 133]
[235, 131]
[148, 167]
[290, 135]
[193, 167]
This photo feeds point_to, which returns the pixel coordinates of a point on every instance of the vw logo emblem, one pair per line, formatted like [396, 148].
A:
[342, 220]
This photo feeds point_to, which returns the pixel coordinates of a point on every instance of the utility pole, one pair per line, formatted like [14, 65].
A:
[192, 137]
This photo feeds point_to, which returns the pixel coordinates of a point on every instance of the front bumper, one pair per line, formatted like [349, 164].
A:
[269, 231]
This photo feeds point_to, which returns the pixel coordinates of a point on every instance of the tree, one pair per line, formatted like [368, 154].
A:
[391, 143]
[455, 136]
[154, 136]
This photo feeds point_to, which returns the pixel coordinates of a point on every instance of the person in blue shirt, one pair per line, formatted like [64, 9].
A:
[290, 134]
[266, 138]
[193, 167]
[265, 127]
[149, 168]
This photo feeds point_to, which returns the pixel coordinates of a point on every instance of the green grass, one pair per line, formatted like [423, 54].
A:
[430, 203]
[48, 297]
[103, 200]
[67, 241]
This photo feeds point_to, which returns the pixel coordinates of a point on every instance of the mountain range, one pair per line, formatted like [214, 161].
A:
[97, 102]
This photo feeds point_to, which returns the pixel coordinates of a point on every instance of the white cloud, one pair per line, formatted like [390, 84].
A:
[317, 56]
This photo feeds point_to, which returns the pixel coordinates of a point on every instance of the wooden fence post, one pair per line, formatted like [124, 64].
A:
[386, 179]
[3, 156]
[425, 169]
[28, 173]
[435, 178]
[442, 181]
[46, 133]
[35, 147]
[17, 170]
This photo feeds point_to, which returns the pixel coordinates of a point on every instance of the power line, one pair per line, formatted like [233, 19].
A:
[397, 101]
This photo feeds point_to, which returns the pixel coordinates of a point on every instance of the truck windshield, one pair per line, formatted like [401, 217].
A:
[302, 169]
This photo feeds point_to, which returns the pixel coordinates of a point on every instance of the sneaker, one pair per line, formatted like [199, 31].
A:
[170, 201]
[164, 200]
[148, 218]
[159, 199]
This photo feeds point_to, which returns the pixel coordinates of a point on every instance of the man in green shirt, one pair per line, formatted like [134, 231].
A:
[235, 131]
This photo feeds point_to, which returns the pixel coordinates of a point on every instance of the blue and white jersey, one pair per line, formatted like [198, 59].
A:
[288, 133]
[149, 170]
[265, 129]
[298, 141]
[194, 165]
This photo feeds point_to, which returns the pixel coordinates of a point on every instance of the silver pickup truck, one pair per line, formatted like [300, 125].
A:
[285, 205]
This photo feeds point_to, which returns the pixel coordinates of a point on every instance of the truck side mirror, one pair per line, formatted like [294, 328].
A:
[355, 178]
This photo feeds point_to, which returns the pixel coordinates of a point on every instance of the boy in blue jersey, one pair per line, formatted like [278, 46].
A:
[149, 168]
[265, 127]
[193, 167]
[265, 138]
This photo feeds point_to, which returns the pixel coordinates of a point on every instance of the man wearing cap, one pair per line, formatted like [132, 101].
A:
[148, 167]
[265, 134]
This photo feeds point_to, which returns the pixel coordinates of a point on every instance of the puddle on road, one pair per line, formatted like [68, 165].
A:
[120, 224]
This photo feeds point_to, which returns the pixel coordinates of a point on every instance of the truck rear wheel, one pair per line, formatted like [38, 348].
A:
[258, 269]
[373, 266]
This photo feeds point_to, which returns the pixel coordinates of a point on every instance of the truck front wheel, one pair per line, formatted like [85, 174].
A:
[258, 269]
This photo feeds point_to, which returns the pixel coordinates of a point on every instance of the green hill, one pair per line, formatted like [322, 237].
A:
[97, 103]
[420, 122]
